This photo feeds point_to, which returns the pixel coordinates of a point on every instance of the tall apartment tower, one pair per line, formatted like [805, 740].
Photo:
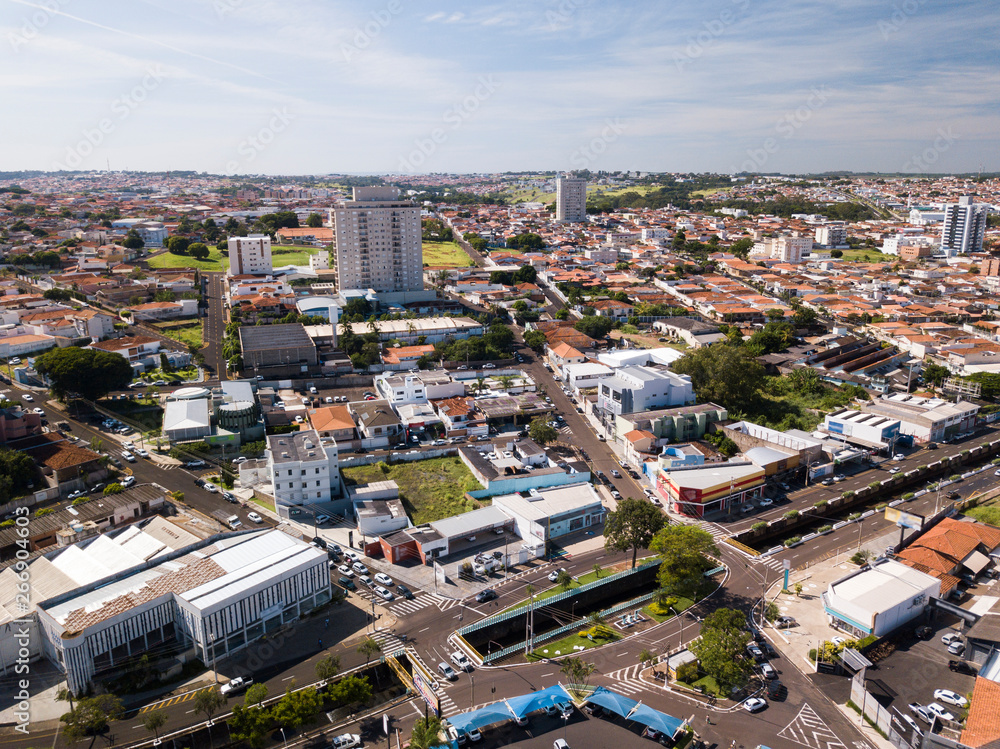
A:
[376, 240]
[571, 199]
[250, 256]
[964, 227]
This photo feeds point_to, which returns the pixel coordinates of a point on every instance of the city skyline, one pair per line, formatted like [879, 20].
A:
[240, 87]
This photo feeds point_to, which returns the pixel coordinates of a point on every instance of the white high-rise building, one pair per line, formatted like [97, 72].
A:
[571, 199]
[964, 227]
[831, 235]
[376, 239]
[303, 468]
[250, 256]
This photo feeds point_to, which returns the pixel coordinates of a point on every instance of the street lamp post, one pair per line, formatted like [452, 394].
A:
[282, 729]
[809, 468]
[215, 672]
[473, 681]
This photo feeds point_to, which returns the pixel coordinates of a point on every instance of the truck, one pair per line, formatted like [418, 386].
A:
[236, 685]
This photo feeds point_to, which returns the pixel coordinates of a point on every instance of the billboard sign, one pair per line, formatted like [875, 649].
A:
[439, 574]
[904, 519]
[432, 700]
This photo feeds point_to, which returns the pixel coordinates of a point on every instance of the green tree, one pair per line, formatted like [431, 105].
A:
[133, 241]
[426, 733]
[89, 372]
[836, 253]
[153, 721]
[368, 648]
[935, 374]
[806, 380]
[535, 340]
[577, 671]
[198, 250]
[349, 690]
[17, 473]
[540, 431]
[564, 579]
[327, 667]
[741, 247]
[250, 725]
[594, 326]
[721, 647]
[646, 656]
[314, 221]
[296, 708]
[684, 550]
[178, 245]
[525, 274]
[92, 716]
[632, 526]
[723, 374]
[208, 702]
[804, 316]
[255, 695]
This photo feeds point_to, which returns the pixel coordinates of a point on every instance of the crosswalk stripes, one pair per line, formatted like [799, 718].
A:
[389, 642]
[448, 706]
[444, 604]
[626, 680]
[719, 534]
[405, 606]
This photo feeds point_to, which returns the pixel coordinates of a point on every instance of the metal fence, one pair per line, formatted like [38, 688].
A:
[505, 615]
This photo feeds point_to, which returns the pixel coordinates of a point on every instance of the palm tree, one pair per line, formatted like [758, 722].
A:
[645, 656]
[505, 381]
[598, 569]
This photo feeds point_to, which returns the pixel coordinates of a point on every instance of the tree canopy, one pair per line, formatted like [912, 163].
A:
[93, 374]
[724, 374]
[17, 472]
[721, 648]
[632, 526]
[540, 431]
[594, 326]
[684, 550]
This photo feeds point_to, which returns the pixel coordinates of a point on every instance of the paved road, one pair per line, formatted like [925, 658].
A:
[215, 325]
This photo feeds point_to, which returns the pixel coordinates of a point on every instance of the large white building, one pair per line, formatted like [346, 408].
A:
[571, 199]
[831, 235]
[635, 389]
[377, 242]
[860, 428]
[402, 389]
[208, 600]
[787, 249]
[303, 469]
[964, 227]
[250, 256]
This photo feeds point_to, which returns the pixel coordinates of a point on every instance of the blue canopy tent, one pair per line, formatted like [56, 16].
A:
[612, 701]
[662, 722]
[484, 716]
[528, 703]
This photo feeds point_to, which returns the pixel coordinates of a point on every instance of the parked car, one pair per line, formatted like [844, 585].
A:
[229, 497]
[920, 711]
[768, 671]
[254, 518]
[913, 724]
[383, 579]
[924, 632]
[783, 622]
[765, 502]
[210, 487]
[755, 704]
[951, 698]
[346, 582]
[961, 667]
[320, 519]
[127, 481]
[939, 710]
[383, 593]
[951, 637]
[346, 741]
[755, 652]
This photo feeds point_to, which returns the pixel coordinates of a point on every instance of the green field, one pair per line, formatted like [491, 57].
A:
[430, 489]
[874, 256]
[448, 254]
[216, 261]
[286, 254]
[190, 334]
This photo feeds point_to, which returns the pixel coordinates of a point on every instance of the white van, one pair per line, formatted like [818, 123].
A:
[234, 522]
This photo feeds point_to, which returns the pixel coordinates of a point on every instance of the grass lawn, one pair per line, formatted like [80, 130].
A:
[287, 254]
[708, 682]
[263, 502]
[189, 335]
[568, 643]
[430, 489]
[215, 261]
[874, 256]
[445, 253]
[681, 605]
[710, 191]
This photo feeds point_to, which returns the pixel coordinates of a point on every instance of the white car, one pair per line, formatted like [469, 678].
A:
[75, 495]
[383, 579]
[254, 517]
[346, 741]
[899, 456]
[359, 568]
[951, 698]
[320, 519]
[765, 502]
[838, 640]
[384, 594]
[127, 481]
[755, 704]
[210, 487]
[345, 570]
[141, 453]
[128, 456]
[352, 555]
[27, 397]
[895, 469]
[951, 637]
[554, 575]
[461, 660]
[936, 709]
[328, 399]
[38, 411]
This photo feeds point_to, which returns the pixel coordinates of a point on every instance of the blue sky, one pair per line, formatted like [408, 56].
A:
[319, 86]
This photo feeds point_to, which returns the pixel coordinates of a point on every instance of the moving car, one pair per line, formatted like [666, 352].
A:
[345, 570]
[359, 568]
[755, 704]
[346, 741]
[615, 473]
[254, 517]
[347, 582]
[447, 671]
[127, 481]
[27, 397]
[229, 497]
[402, 590]
[485, 595]
[383, 579]
[236, 685]
[560, 744]
[461, 661]
[383, 593]
[951, 698]
[554, 575]
[128, 456]
[141, 453]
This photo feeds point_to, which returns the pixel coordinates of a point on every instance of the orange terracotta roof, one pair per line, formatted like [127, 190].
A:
[982, 727]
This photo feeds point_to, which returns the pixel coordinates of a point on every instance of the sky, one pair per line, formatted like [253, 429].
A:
[324, 86]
